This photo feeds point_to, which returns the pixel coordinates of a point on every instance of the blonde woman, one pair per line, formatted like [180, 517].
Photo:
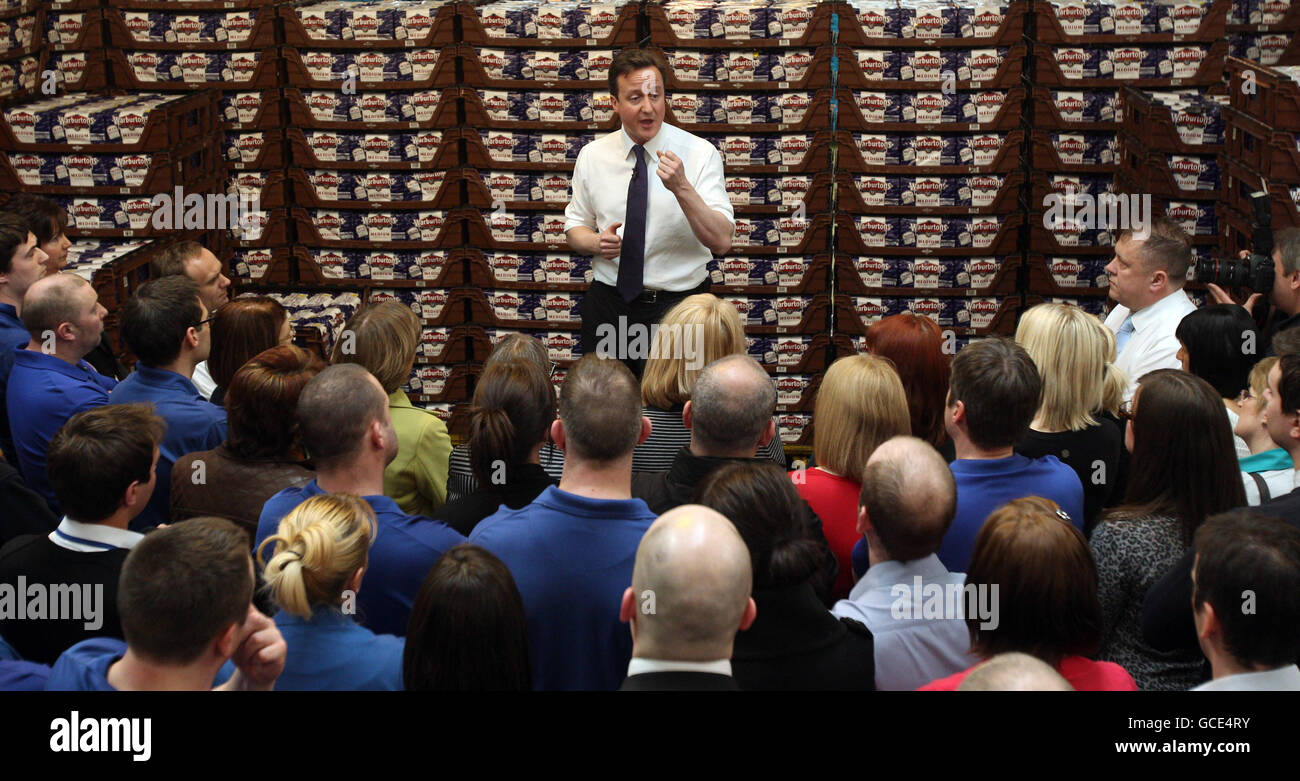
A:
[1071, 355]
[385, 338]
[696, 332]
[861, 403]
[1268, 471]
[318, 561]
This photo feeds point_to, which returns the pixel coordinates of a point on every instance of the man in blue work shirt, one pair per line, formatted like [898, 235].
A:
[573, 549]
[346, 428]
[21, 264]
[50, 382]
[166, 325]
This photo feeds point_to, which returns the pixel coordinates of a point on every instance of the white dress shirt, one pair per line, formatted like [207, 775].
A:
[92, 537]
[202, 380]
[1153, 344]
[674, 258]
[1281, 679]
[640, 666]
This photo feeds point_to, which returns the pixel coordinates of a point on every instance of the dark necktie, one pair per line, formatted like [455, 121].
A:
[631, 259]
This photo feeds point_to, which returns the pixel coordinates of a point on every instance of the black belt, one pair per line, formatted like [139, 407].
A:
[652, 296]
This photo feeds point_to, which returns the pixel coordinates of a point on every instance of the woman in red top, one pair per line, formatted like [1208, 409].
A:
[1046, 602]
[861, 403]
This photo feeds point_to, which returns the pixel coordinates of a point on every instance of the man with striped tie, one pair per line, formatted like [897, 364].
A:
[650, 206]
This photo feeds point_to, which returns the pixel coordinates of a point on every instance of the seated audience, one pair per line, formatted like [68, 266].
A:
[693, 334]
[50, 382]
[262, 454]
[915, 345]
[794, 643]
[467, 630]
[906, 506]
[572, 548]
[166, 325]
[513, 346]
[191, 259]
[1218, 344]
[321, 555]
[1069, 351]
[1014, 672]
[994, 396]
[346, 429]
[186, 604]
[385, 338]
[860, 403]
[242, 329]
[1032, 588]
[1184, 470]
[101, 464]
[1268, 472]
[1245, 560]
[514, 406]
[690, 595]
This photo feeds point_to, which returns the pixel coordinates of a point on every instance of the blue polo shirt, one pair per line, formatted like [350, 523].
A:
[43, 392]
[12, 330]
[571, 558]
[331, 652]
[193, 424]
[985, 485]
[403, 552]
[84, 667]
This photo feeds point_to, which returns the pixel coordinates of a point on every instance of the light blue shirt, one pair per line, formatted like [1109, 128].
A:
[331, 652]
[910, 651]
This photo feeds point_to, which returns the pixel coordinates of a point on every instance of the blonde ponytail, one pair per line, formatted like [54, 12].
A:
[318, 546]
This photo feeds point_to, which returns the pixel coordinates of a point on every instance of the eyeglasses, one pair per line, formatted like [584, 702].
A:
[205, 321]
[1126, 410]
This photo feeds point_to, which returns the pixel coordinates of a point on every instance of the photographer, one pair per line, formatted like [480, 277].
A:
[1285, 294]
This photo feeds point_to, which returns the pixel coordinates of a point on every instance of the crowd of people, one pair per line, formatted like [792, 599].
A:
[1086, 506]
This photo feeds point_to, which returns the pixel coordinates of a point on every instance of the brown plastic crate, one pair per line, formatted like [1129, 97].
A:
[440, 30]
[445, 115]
[178, 121]
[1042, 279]
[1010, 29]
[1004, 202]
[87, 30]
[268, 147]
[266, 104]
[449, 236]
[1260, 148]
[1045, 157]
[851, 75]
[194, 161]
[1006, 310]
[1003, 243]
[1273, 100]
[1048, 72]
[1154, 123]
[305, 194]
[263, 266]
[624, 32]
[477, 116]
[1007, 118]
[1150, 168]
[261, 35]
[476, 74]
[443, 75]
[1006, 160]
[850, 282]
[1047, 117]
[1213, 27]
[80, 70]
[817, 76]
[1240, 182]
[817, 18]
[264, 75]
[301, 155]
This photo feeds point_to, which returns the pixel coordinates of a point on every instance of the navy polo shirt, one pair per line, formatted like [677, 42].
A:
[12, 330]
[331, 652]
[571, 558]
[193, 424]
[403, 552]
[42, 393]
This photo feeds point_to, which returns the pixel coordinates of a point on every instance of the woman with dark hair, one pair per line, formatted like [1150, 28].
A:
[1218, 343]
[916, 346]
[260, 456]
[1032, 588]
[467, 630]
[794, 644]
[242, 329]
[1184, 470]
[514, 406]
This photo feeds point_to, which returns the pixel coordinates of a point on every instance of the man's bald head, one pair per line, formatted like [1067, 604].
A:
[732, 404]
[690, 587]
[1014, 672]
[52, 300]
[910, 497]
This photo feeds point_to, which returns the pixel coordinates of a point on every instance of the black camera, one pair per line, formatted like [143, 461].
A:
[1256, 270]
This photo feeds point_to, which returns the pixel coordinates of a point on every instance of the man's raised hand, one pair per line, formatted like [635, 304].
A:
[610, 242]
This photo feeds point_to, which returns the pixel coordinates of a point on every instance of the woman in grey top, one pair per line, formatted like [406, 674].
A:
[1184, 470]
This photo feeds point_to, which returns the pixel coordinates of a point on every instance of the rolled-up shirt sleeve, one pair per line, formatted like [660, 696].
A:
[579, 214]
[712, 186]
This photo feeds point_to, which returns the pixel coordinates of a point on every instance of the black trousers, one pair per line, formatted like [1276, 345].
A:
[603, 305]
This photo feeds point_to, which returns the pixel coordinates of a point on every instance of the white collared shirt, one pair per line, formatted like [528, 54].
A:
[203, 381]
[1280, 679]
[674, 258]
[1153, 344]
[639, 666]
[92, 537]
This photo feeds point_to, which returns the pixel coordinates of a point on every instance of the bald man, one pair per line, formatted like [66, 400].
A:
[907, 503]
[1014, 672]
[50, 382]
[689, 597]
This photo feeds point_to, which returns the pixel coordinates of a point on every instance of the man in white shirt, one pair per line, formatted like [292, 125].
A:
[1246, 598]
[649, 205]
[1146, 280]
[689, 596]
[199, 264]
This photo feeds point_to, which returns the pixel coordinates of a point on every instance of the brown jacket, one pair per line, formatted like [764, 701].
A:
[229, 487]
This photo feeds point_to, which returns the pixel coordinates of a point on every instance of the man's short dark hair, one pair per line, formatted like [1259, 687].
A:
[182, 586]
[156, 319]
[334, 411]
[45, 218]
[600, 405]
[13, 234]
[730, 415]
[1000, 386]
[630, 60]
[1242, 555]
[1288, 382]
[172, 259]
[1286, 342]
[98, 454]
[1168, 247]
[1286, 243]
